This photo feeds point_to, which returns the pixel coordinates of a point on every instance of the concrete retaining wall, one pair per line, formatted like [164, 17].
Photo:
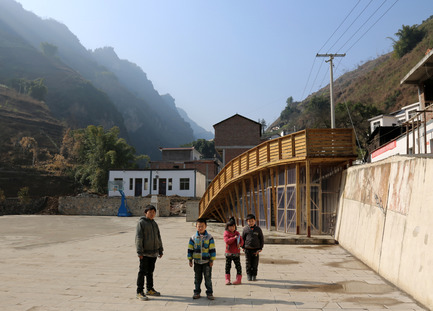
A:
[385, 218]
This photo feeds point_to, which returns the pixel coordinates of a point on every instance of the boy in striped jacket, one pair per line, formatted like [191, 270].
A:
[201, 251]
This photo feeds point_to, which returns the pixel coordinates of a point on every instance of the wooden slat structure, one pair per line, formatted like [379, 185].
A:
[256, 181]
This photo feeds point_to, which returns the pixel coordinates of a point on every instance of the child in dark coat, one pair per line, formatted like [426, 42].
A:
[253, 245]
[234, 242]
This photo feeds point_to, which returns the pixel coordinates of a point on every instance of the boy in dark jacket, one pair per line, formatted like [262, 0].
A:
[149, 246]
[253, 245]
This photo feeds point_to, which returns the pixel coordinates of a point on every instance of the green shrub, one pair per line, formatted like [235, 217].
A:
[23, 195]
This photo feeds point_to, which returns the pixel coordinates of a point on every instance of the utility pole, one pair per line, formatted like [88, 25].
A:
[331, 84]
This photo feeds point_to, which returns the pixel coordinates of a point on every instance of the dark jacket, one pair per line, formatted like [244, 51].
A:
[253, 237]
[147, 238]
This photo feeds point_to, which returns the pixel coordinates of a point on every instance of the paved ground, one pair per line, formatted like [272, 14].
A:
[89, 263]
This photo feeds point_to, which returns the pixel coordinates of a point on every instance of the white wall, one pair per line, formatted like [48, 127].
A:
[197, 182]
[389, 224]
[398, 146]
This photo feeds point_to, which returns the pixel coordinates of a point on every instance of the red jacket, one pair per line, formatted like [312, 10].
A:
[231, 239]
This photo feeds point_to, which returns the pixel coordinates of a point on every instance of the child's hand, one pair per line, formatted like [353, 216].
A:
[190, 263]
[211, 264]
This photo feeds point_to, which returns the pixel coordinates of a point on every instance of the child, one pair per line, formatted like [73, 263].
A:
[253, 245]
[201, 249]
[149, 246]
[233, 243]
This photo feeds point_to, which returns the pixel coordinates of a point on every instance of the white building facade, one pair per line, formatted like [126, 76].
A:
[141, 183]
[419, 141]
[395, 118]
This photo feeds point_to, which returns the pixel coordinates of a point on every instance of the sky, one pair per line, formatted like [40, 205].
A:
[219, 58]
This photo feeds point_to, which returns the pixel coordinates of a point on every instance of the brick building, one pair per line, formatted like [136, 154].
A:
[235, 135]
[187, 158]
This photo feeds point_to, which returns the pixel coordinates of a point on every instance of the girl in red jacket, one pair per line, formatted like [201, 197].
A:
[234, 242]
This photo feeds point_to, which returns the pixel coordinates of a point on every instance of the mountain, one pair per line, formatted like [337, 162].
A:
[86, 87]
[198, 131]
[22, 116]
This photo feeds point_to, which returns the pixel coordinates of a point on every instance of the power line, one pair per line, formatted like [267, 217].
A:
[308, 80]
[372, 25]
[350, 25]
[340, 25]
[362, 25]
[331, 92]
[314, 61]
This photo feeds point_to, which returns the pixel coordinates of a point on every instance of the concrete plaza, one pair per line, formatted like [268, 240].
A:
[89, 263]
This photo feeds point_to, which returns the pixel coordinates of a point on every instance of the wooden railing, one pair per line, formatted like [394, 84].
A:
[310, 143]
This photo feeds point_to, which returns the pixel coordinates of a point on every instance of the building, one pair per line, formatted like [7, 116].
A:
[141, 183]
[396, 118]
[235, 135]
[187, 158]
[414, 120]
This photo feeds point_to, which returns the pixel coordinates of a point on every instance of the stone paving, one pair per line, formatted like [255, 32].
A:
[89, 263]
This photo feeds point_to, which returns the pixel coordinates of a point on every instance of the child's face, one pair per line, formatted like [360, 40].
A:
[232, 228]
[251, 222]
[201, 227]
[150, 214]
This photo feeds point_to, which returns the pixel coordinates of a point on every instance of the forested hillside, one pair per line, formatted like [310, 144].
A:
[372, 89]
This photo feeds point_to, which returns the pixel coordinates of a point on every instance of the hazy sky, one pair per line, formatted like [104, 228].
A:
[221, 57]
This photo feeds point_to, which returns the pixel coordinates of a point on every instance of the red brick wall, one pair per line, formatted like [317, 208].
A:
[237, 131]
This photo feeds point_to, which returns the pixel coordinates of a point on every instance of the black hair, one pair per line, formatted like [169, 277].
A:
[148, 208]
[202, 220]
[251, 216]
[231, 222]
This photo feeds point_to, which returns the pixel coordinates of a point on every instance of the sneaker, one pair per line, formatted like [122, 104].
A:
[153, 292]
[253, 278]
[196, 296]
[249, 278]
[210, 297]
[142, 296]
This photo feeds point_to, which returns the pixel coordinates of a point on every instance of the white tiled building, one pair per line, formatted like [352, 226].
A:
[140, 183]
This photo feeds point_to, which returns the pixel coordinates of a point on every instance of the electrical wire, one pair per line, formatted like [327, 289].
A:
[350, 25]
[372, 26]
[362, 25]
[340, 25]
[308, 79]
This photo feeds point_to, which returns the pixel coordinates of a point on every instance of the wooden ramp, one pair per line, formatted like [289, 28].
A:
[288, 183]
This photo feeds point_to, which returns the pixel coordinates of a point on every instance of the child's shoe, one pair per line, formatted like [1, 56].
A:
[153, 292]
[249, 278]
[210, 297]
[142, 296]
[196, 296]
[228, 279]
[238, 279]
[253, 278]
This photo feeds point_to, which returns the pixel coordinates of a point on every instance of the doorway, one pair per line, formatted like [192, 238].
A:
[162, 185]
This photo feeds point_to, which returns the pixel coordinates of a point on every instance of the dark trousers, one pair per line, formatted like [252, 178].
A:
[237, 261]
[147, 266]
[252, 261]
[201, 270]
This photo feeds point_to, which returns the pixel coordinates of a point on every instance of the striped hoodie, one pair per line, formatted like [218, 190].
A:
[201, 248]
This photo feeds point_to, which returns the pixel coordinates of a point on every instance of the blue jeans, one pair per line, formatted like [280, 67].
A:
[199, 271]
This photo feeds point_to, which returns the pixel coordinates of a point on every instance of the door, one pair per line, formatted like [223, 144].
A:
[138, 187]
[162, 183]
